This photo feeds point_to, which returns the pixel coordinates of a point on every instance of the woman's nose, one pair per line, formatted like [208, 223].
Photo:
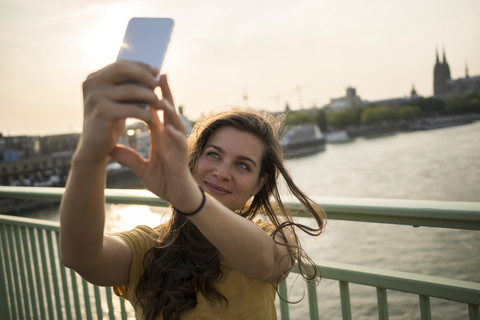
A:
[222, 171]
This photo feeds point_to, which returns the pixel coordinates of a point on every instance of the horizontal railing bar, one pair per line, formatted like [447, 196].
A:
[427, 213]
[444, 214]
[117, 196]
[438, 287]
[30, 222]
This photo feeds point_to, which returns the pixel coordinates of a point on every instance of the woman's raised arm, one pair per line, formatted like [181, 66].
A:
[108, 101]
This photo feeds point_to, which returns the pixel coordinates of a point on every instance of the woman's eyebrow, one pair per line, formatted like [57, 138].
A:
[241, 157]
[245, 158]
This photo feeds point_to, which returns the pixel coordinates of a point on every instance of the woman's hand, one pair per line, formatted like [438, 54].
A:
[108, 100]
[166, 171]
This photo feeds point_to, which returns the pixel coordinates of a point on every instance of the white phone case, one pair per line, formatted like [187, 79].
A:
[146, 40]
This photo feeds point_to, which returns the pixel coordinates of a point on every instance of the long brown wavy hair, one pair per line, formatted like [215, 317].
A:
[183, 262]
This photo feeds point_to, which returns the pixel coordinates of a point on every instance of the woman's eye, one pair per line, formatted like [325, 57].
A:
[213, 154]
[243, 165]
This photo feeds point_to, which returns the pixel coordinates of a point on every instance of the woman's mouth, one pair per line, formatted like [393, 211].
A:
[215, 189]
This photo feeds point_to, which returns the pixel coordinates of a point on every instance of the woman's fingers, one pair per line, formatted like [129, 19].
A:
[106, 110]
[168, 106]
[165, 87]
[118, 91]
[134, 93]
[128, 71]
[129, 158]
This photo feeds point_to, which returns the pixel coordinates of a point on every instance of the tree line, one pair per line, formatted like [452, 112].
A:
[371, 113]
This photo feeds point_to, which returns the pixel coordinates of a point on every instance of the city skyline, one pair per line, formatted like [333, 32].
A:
[304, 53]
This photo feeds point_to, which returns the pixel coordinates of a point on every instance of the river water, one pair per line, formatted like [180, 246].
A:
[442, 164]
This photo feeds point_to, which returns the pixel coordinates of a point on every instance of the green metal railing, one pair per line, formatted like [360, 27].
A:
[34, 284]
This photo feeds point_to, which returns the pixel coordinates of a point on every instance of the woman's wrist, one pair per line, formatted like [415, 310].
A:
[87, 155]
[191, 202]
[199, 208]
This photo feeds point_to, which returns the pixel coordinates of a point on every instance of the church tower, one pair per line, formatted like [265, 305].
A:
[441, 75]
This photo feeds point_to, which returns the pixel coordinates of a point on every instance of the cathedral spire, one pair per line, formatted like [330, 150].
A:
[413, 93]
[446, 67]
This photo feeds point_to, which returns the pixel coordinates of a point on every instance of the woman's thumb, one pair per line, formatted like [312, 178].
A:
[128, 158]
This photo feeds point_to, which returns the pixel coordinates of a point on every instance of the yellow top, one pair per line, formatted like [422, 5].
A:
[247, 298]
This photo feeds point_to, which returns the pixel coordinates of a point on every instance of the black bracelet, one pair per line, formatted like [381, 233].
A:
[199, 208]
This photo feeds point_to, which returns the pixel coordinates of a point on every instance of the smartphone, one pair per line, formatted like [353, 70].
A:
[146, 40]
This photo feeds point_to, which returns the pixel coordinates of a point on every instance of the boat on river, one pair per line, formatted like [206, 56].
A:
[339, 136]
[441, 122]
[302, 140]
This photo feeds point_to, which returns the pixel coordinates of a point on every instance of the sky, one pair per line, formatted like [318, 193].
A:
[251, 53]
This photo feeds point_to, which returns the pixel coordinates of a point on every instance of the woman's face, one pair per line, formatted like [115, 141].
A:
[229, 167]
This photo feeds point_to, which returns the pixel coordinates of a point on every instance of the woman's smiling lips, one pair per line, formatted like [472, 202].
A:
[213, 188]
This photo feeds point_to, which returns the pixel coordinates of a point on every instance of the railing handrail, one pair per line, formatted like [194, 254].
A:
[433, 286]
[427, 213]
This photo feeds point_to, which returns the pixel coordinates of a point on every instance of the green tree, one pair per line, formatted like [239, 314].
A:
[474, 104]
[468, 103]
[341, 119]
[321, 119]
[377, 114]
[408, 112]
[294, 118]
[430, 105]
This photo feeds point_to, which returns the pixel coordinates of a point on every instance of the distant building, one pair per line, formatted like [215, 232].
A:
[395, 103]
[186, 121]
[36, 161]
[350, 101]
[445, 87]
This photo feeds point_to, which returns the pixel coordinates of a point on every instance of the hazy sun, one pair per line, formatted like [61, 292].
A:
[103, 35]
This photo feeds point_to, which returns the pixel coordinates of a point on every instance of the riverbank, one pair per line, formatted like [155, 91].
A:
[429, 123]
[119, 178]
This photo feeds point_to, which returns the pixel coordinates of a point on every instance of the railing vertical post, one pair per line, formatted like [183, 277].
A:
[22, 272]
[282, 288]
[63, 274]
[4, 310]
[312, 300]
[382, 304]
[15, 283]
[46, 275]
[98, 302]
[111, 313]
[473, 311]
[4, 305]
[345, 300]
[39, 283]
[122, 309]
[76, 297]
[86, 298]
[425, 313]
[51, 238]
[28, 270]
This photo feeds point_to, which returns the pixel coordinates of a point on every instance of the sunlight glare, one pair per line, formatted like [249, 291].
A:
[127, 217]
[104, 36]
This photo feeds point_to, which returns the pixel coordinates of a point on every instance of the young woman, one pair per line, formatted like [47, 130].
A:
[214, 259]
